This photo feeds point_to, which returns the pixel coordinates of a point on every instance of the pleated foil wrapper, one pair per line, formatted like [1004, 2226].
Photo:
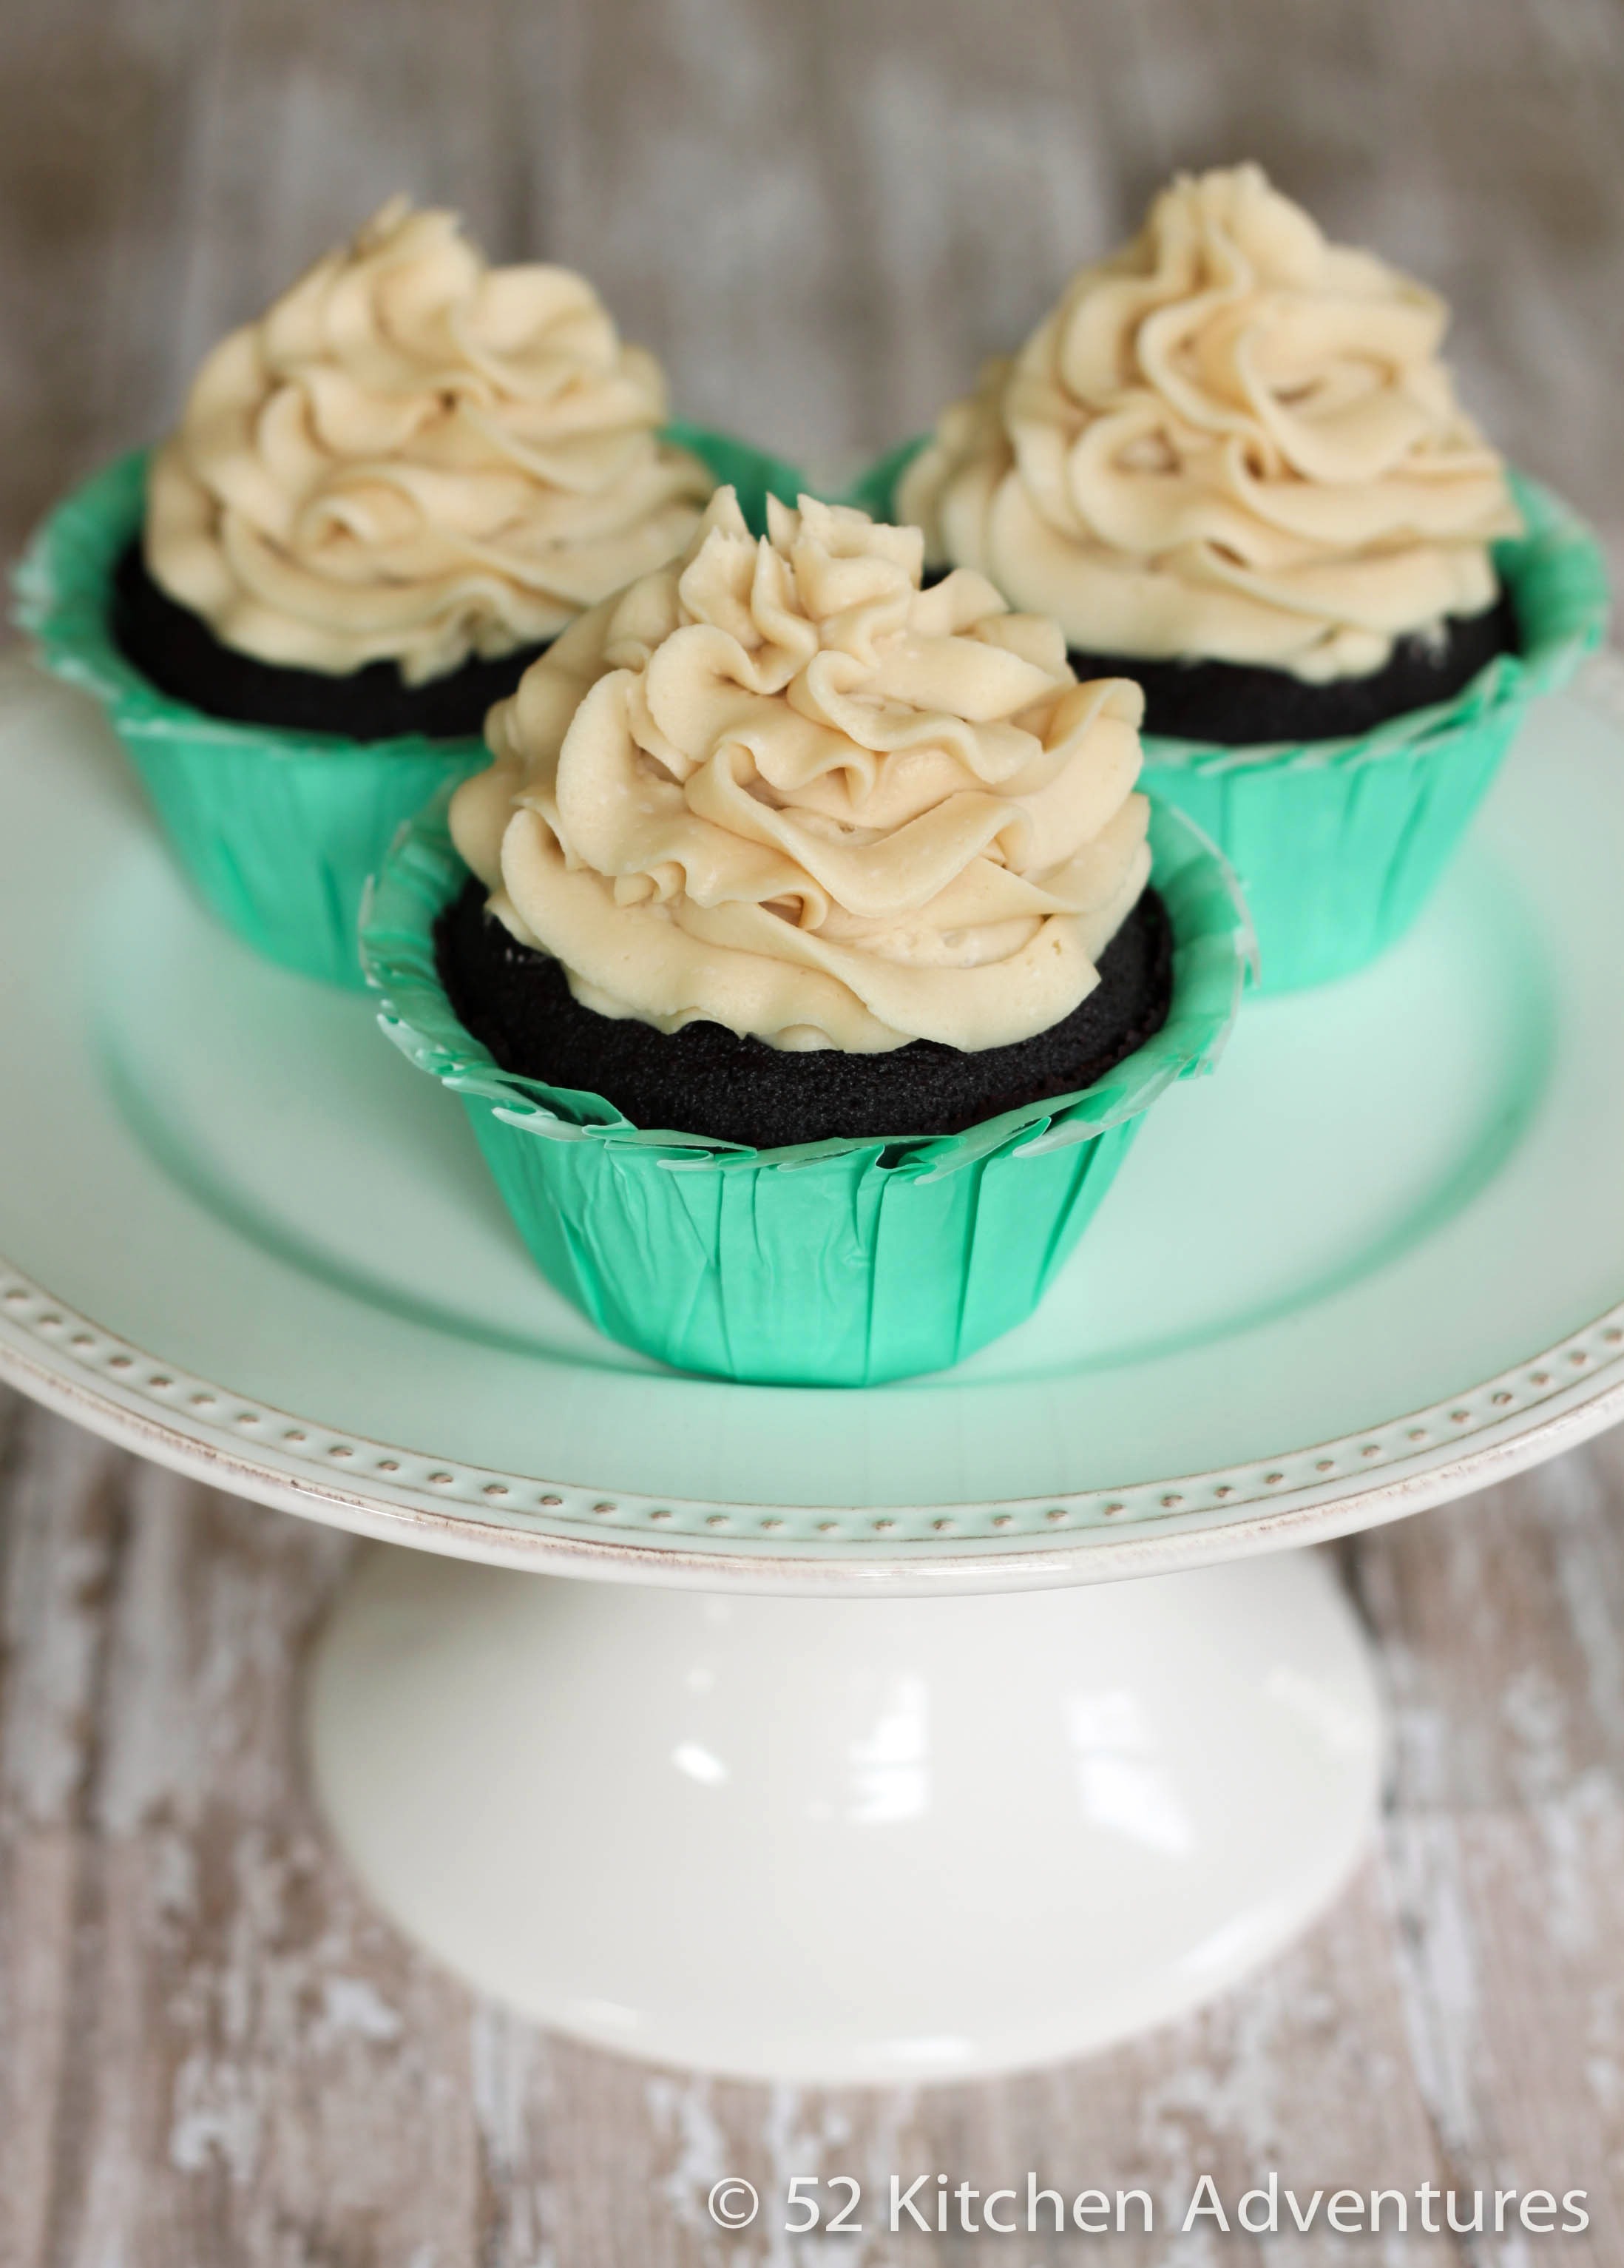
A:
[840, 1262]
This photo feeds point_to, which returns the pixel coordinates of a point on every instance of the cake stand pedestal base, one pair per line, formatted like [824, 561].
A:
[848, 1840]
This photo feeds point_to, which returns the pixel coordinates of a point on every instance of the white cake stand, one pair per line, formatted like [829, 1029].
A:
[848, 1764]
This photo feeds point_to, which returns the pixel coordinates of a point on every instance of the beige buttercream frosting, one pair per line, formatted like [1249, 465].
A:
[1232, 440]
[414, 457]
[779, 787]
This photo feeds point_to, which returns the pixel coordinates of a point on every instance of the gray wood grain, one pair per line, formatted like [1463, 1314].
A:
[822, 215]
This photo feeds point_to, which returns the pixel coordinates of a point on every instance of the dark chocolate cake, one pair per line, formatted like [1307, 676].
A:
[704, 1080]
[1242, 704]
[181, 654]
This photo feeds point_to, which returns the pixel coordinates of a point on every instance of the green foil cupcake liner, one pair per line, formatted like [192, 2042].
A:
[278, 830]
[829, 1263]
[1337, 844]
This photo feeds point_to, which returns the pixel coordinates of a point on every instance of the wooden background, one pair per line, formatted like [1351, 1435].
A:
[821, 213]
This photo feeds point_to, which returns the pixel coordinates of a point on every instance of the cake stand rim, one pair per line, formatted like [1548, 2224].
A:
[67, 1362]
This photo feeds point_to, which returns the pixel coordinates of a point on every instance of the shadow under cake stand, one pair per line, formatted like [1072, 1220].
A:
[876, 1736]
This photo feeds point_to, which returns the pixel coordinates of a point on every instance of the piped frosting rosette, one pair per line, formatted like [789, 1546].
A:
[780, 786]
[1232, 439]
[413, 456]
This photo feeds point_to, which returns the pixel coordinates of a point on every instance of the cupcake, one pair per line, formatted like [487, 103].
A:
[385, 499]
[1231, 464]
[805, 957]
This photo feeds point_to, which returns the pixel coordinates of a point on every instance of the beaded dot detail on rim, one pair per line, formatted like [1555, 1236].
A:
[210, 1423]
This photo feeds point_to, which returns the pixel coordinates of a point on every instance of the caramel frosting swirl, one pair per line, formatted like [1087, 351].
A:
[414, 457]
[779, 787]
[1232, 440]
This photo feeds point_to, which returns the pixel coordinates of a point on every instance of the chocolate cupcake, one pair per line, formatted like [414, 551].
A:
[1231, 464]
[388, 495]
[797, 887]
[877, 838]
[383, 501]
[1232, 455]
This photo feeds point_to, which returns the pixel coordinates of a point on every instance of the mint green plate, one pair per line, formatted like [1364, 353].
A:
[1377, 1259]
